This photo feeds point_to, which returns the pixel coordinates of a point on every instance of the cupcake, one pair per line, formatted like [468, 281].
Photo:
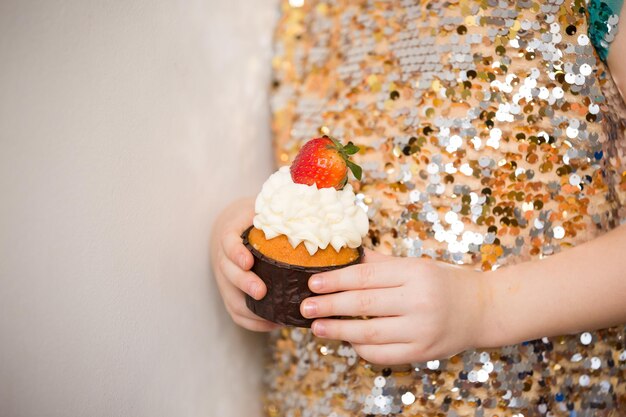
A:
[306, 221]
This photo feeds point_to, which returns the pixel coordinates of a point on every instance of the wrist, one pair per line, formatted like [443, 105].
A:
[490, 330]
[473, 307]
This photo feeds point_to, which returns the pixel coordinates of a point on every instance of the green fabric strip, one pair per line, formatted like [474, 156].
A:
[603, 21]
[615, 5]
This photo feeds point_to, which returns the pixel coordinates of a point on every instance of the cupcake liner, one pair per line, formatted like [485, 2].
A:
[287, 285]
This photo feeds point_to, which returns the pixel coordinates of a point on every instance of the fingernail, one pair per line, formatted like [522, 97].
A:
[309, 309]
[242, 261]
[319, 329]
[316, 283]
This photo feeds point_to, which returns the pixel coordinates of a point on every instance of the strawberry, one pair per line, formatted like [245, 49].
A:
[324, 162]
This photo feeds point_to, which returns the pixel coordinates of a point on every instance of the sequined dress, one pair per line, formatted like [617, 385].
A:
[492, 133]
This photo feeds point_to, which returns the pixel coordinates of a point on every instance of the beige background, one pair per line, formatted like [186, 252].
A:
[124, 127]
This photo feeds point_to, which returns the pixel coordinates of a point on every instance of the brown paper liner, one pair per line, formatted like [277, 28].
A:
[287, 285]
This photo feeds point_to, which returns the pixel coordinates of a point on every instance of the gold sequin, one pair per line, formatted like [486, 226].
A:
[491, 134]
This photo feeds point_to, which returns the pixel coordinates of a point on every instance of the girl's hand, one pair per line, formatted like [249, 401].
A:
[231, 263]
[423, 309]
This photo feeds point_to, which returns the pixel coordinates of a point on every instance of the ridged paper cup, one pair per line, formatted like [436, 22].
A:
[287, 285]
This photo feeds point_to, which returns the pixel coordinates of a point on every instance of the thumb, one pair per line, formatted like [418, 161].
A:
[373, 256]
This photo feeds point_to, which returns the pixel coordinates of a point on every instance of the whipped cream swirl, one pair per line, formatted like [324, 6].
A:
[317, 217]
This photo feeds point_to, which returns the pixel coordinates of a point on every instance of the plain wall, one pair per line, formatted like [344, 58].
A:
[124, 127]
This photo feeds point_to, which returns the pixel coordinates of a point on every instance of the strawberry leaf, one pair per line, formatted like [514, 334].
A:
[350, 148]
[335, 142]
[356, 170]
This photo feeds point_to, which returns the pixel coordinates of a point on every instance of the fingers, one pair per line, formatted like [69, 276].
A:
[370, 302]
[374, 331]
[240, 313]
[246, 281]
[389, 354]
[256, 325]
[236, 251]
[361, 276]
[232, 262]
[373, 256]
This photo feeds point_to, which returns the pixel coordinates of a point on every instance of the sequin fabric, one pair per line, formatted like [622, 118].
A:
[491, 134]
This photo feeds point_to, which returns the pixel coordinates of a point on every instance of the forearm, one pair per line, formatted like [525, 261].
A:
[581, 288]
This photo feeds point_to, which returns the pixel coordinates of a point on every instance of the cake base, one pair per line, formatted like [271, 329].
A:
[279, 249]
[287, 285]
